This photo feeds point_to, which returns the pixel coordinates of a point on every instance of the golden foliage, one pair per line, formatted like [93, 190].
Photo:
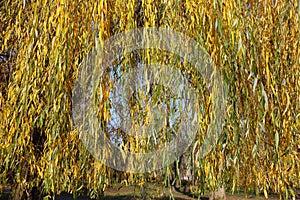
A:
[254, 43]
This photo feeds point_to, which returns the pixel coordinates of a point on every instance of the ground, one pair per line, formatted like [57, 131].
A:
[158, 193]
[152, 192]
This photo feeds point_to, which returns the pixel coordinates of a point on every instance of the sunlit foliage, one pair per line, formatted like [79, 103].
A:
[255, 44]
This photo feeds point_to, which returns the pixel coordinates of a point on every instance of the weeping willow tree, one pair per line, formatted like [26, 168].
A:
[254, 44]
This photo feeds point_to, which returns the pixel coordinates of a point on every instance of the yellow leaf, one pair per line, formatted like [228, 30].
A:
[266, 193]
